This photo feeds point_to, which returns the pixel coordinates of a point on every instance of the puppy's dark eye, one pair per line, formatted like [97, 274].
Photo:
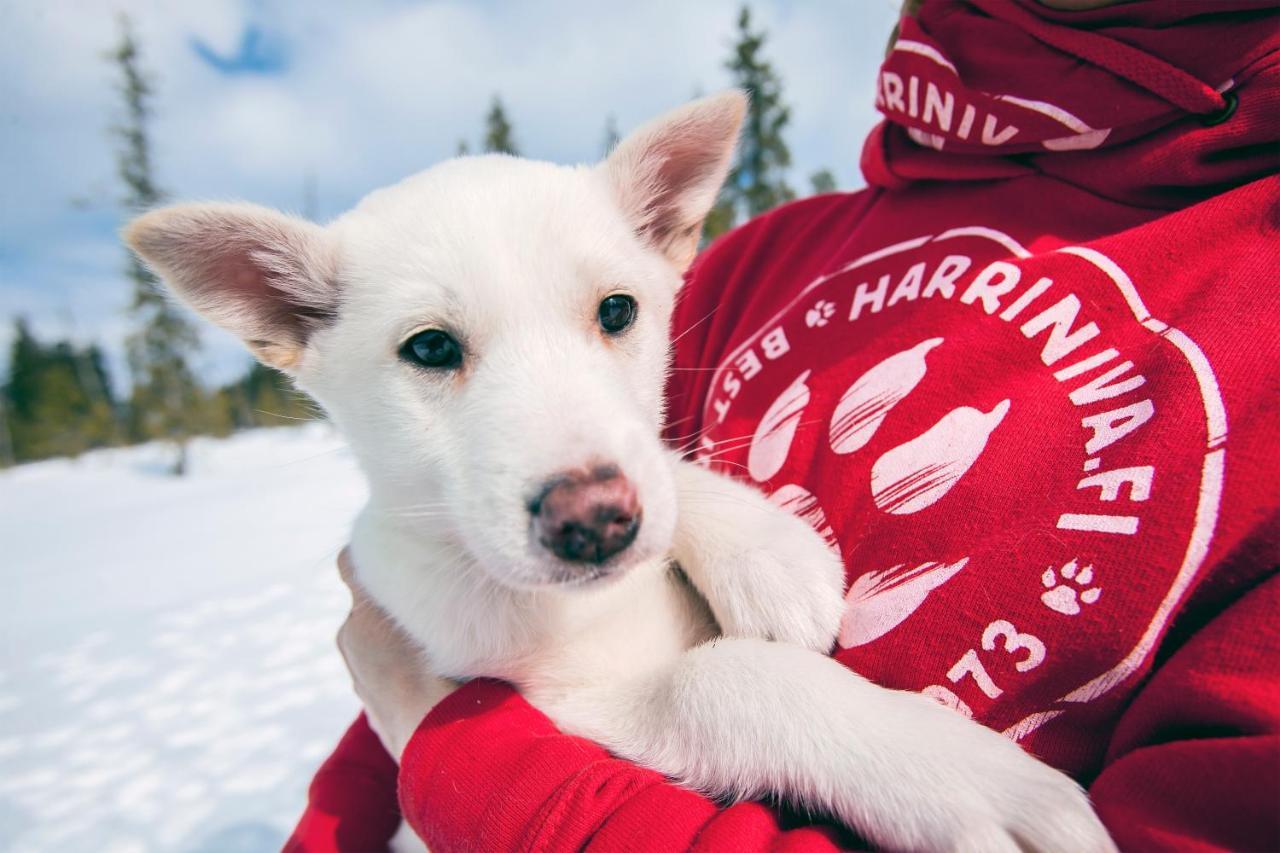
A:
[432, 348]
[617, 312]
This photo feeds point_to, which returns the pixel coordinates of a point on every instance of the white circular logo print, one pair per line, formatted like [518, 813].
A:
[998, 443]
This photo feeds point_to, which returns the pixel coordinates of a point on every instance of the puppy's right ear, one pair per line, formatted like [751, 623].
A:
[265, 276]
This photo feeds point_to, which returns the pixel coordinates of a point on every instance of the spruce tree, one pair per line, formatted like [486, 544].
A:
[265, 397]
[100, 423]
[104, 426]
[611, 135]
[498, 137]
[52, 402]
[22, 390]
[67, 420]
[26, 358]
[166, 402]
[758, 180]
[7, 456]
[51, 429]
[823, 181]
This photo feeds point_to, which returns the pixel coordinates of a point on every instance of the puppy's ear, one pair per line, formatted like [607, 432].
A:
[667, 174]
[267, 277]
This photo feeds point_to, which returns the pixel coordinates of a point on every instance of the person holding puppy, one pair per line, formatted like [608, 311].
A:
[1026, 384]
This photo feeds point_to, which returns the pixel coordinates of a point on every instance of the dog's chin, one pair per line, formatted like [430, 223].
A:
[539, 573]
[584, 577]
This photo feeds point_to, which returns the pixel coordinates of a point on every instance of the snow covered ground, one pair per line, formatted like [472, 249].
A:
[168, 679]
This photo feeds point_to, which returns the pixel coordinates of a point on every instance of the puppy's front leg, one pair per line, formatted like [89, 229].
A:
[764, 572]
[753, 719]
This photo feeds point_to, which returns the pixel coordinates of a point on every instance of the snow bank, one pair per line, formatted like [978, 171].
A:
[168, 678]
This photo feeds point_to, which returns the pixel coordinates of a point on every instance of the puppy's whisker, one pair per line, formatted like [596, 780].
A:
[723, 441]
[696, 437]
[411, 507]
[741, 441]
[695, 325]
[310, 458]
[721, 451]
[715, 498]
[693, 443]
[733, 464]
[281, 416]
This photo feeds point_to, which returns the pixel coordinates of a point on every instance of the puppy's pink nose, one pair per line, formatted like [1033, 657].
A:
[587, 516]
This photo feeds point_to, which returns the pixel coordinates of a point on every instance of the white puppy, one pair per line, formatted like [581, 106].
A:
[492, 337]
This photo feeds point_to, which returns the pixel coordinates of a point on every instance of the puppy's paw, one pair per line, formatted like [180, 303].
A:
[972, 789]
[785, 585]
[1035, 808]
[765, 573]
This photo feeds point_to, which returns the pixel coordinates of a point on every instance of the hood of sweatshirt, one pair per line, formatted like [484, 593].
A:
[1153, 103]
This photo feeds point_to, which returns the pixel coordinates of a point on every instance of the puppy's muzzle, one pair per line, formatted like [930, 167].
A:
[587, 516]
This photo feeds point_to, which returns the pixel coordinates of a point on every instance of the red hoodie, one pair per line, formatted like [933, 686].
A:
[1028, 384]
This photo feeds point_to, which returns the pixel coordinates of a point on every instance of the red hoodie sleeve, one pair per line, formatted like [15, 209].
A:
[486, 771]
[351, 804]
[1201, 742]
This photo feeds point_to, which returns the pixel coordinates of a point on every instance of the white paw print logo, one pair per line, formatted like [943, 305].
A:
[1066, 588]
[821, 312]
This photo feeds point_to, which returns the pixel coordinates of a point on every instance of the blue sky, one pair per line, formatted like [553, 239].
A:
[258, 100]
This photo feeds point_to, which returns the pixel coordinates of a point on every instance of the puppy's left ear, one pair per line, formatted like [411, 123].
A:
[667, 174]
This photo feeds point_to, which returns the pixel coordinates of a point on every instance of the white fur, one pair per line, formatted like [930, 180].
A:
[513, 257]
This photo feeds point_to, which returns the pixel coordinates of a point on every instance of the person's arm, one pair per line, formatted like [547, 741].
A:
[351, 804]
[487, 771]
[1195, 761]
